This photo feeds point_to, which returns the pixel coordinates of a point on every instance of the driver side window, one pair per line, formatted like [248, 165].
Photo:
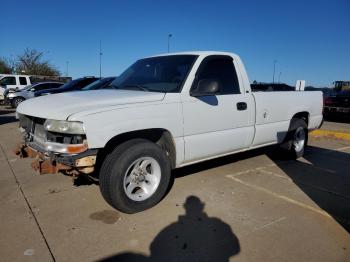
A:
[222, 70]
[9, 80]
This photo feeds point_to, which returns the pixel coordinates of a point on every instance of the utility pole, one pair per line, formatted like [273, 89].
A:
[169, 36]
[274, 70]
[100, 59]
[67, 63]
[279, 77]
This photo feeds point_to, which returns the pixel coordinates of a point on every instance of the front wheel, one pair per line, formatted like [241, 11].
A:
[135, 176]
[16, 101]
[296, 139]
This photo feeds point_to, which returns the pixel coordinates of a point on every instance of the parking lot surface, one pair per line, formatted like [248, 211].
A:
[251, 206]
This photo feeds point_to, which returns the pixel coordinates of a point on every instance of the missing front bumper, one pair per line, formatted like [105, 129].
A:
[83, 163]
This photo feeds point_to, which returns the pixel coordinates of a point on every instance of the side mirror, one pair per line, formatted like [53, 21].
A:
[206, 87]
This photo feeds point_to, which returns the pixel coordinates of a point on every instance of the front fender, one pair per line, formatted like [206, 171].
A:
[102, 127]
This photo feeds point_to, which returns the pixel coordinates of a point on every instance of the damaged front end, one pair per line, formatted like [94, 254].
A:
[56, 146]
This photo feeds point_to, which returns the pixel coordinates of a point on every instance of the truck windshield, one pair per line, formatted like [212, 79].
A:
[156, 74]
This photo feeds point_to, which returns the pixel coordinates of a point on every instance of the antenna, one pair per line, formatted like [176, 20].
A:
[169, 36]
[100, 59]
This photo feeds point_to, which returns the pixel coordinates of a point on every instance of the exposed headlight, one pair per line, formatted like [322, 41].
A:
[66, 127]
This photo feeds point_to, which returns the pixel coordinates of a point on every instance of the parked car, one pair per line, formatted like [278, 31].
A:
[15, 98]
[99, 84]
[164, 112]
[74, 85]
[12, 82]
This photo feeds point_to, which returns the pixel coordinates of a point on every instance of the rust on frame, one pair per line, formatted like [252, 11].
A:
[46, 166]
[24, 151]
[85, 161]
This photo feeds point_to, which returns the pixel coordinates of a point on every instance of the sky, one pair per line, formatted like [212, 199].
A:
[309, 39]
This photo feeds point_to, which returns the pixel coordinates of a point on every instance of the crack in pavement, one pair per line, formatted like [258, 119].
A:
[27, 202]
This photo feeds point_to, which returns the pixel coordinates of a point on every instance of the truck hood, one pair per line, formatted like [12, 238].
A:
[61, 106]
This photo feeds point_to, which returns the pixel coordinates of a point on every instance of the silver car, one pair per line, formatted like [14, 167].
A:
[15, 98]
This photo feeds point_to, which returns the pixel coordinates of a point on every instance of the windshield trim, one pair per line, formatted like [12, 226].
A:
[188, 73]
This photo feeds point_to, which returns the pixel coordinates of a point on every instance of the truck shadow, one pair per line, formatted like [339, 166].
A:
[337, 118]
[217, 162]
[193, 237]
[324, 177]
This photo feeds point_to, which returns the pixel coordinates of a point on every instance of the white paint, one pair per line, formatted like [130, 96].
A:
[300, 85]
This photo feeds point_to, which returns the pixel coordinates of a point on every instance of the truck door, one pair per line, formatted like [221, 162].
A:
[221, 123]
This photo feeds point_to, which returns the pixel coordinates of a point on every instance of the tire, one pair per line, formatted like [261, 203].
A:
[296, 140]
[135, 176]
[16, 101]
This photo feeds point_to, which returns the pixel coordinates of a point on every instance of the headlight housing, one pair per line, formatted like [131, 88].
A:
[65, 127]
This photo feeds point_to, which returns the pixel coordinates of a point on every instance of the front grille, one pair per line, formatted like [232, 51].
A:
[39, 134]
[37, 137]
[26, 123]
[34, 127]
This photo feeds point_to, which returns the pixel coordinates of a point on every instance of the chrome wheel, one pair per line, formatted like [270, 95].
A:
[142, 178]
[17, 101]
[299, 139]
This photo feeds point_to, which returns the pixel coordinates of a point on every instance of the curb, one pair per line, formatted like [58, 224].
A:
[330, 134]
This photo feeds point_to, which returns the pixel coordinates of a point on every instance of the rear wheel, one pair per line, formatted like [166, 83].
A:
[16, 101]
[296, 139]
[135, 176]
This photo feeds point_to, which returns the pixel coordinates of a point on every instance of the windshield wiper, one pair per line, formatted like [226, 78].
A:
[113, 86]
[140, 87]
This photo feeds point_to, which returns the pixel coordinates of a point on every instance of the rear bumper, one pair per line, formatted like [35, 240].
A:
[336, 109]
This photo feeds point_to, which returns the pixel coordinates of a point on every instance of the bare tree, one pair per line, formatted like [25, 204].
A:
[31, 62]
[5, 67]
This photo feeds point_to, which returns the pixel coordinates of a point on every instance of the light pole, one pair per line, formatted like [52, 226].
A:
[67, 62]
[274, 70]
[279, 77]
[100, 59]
[169, 36]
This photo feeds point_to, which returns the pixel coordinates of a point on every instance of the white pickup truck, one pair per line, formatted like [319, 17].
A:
[13, 82]
[163, 112]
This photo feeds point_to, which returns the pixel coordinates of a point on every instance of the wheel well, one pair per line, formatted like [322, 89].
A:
[159, 136]
[302, 115]
[19, 97]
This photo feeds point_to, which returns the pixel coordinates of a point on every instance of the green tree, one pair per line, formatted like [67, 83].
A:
[5, 67]
[31, 62]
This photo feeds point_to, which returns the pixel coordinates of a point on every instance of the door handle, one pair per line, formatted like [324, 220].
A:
[241, 106]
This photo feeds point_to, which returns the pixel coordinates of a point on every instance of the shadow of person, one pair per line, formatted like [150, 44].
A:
[194, 237]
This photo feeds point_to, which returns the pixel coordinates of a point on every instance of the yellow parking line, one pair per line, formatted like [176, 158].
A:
[330, 134]
[285, 198]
